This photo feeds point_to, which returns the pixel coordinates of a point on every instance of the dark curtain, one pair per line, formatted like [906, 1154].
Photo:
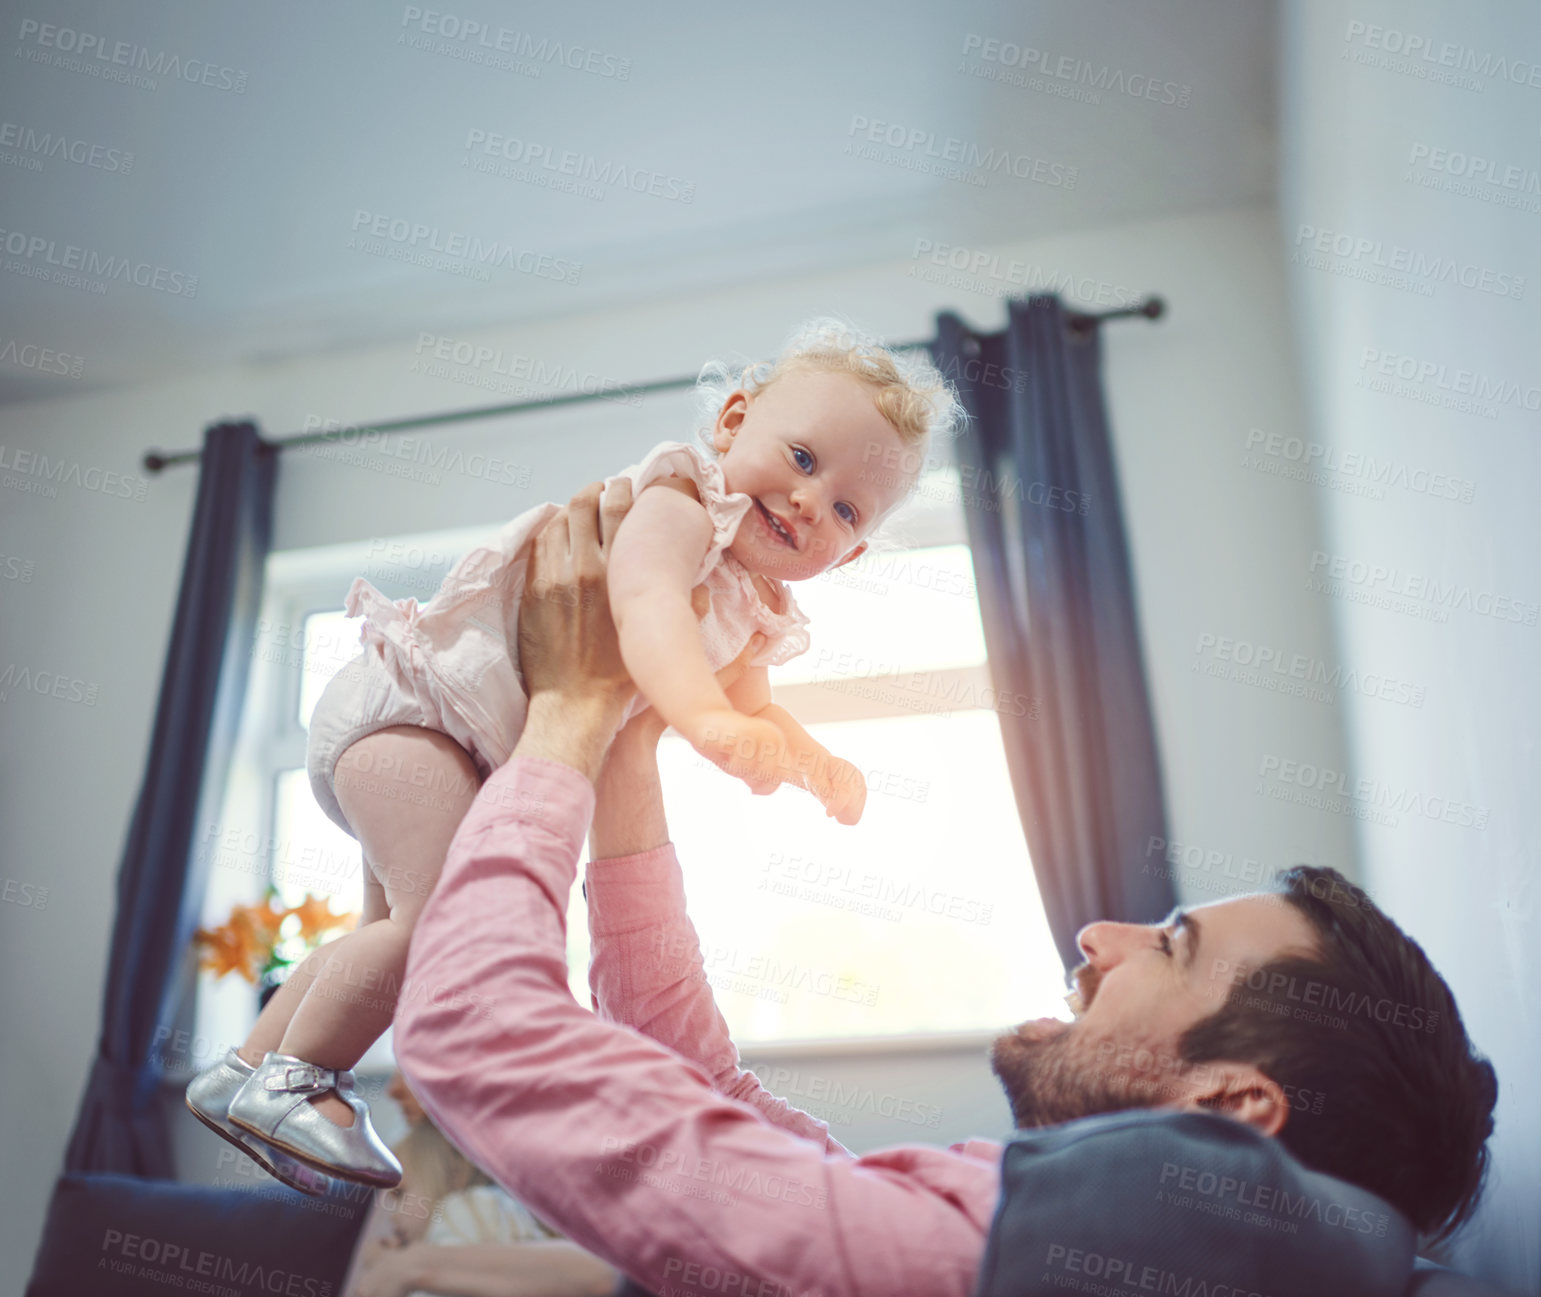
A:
[160, 884]
[1051, 563]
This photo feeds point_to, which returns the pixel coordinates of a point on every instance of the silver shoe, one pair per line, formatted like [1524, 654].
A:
[275, 1106]
[208, 1096]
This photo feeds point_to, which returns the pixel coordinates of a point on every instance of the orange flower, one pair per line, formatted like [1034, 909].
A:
[244, 943]
[316, 917]
[225, 952]
[257, 923]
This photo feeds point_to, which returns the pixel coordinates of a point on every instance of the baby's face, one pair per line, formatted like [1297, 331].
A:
[822, 465]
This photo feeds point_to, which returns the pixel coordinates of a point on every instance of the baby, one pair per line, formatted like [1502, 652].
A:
[809, 454]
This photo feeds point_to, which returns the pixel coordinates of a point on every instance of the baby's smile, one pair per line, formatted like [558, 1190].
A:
[782, 531]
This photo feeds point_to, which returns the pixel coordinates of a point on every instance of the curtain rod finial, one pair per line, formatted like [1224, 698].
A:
[154, 461]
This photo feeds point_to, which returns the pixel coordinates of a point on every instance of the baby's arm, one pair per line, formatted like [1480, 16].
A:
[657, 550]
[835, 782]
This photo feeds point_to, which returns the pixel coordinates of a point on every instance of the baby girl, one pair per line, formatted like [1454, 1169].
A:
[807, 455]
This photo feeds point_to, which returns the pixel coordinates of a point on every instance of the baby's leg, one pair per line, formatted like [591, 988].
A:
[267, 1032]
[404, 791]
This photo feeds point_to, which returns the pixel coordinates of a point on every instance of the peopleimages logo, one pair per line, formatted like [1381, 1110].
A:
[1447, 387]
[174, 1264]
[494, 146]
[1471, 175]
[416, 242]
[99, 57]
[849, 1100]
[1274, 988]
[471, 36]
[734, 1177]
[1424, 57]
[1453, 379]
[1323, 785]
[918, 149]
[975, 268]
[1070, 71]
[44, 258]
[1272, 1200]
[1376, 261]
[47, 684]
[542, 375]
[41, 475]
[1452, 596]
[1256, 661]
[1353, 471]
[45, 360]
[62, 147]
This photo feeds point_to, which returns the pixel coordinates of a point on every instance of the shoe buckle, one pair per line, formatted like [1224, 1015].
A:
[300, 1077]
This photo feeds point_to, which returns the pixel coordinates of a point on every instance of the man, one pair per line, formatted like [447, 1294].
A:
[637, 1134]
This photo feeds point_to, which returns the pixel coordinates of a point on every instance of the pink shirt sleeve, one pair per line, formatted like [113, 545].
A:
[646, 971]
[621, 1142]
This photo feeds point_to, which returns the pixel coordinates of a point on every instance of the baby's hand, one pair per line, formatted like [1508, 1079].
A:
[841, 787]
[752, 749]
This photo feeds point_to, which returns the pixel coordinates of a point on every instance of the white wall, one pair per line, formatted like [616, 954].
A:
[1355, 132]
[1216, 552]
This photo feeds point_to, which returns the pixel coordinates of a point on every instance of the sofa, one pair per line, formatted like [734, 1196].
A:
[1119, 1203]
[122, 1236]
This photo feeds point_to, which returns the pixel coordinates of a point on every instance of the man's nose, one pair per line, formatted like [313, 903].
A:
[1106, 943]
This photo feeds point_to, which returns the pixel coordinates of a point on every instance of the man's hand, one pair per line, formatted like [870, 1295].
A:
[567, 642]
[568, 652]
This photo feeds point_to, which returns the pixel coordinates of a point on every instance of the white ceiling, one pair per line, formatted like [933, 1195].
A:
[256, 193]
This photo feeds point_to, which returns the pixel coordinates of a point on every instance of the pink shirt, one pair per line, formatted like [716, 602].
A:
[635, 1132]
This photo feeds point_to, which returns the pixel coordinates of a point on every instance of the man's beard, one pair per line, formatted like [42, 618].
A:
[1056, 1071]
[1053, 1074]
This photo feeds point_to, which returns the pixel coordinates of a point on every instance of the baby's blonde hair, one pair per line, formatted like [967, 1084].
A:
[909, 391]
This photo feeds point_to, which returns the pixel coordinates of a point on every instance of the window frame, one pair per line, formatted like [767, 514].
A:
[302, 583]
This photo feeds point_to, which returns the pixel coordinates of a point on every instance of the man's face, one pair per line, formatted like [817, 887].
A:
[1141, 987]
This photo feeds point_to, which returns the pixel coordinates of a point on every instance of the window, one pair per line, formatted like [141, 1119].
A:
[925, 917]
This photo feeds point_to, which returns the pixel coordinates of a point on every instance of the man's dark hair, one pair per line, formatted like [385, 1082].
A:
[1384, 1087]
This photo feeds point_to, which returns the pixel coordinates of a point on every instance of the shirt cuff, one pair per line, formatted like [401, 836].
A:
[634, 893]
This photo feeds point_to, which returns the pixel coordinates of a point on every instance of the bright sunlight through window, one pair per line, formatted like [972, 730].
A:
[925, 917]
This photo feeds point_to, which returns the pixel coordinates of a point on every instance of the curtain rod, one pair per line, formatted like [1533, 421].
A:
[1152, 308]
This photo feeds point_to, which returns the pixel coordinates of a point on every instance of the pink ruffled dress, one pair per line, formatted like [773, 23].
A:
[452, 663]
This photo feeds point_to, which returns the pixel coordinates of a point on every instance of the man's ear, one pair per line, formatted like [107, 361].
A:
[729, 420]
[1241, 1092]
[852, 556]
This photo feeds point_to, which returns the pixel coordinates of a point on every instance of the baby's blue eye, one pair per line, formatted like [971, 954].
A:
[803, 458]
[846, 512]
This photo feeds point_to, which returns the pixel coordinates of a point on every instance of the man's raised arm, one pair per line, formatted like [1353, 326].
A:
[646, 969]
[609, 1136]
